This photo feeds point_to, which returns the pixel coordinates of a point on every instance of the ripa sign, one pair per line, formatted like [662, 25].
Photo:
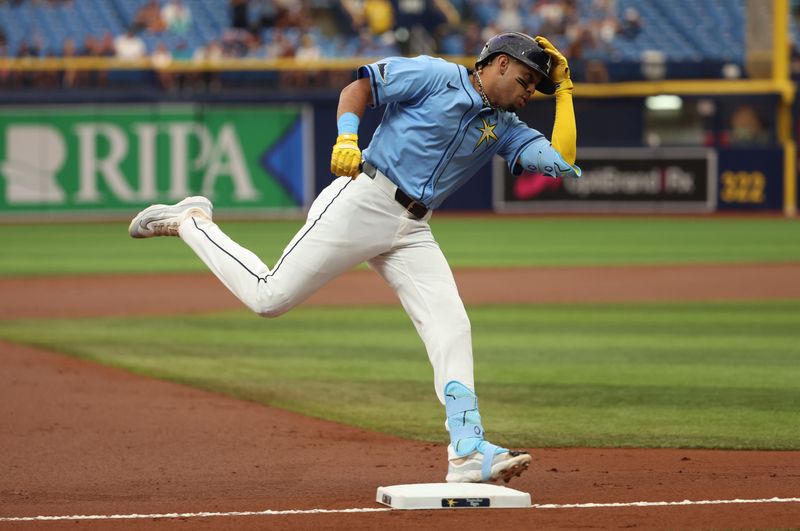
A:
[103, 159]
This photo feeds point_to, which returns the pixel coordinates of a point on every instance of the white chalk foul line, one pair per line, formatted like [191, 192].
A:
[661, 504]
[269, 512]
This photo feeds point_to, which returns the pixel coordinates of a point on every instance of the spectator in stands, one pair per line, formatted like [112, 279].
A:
[267, 14]
[92, 47]
[473, 41]
[240, 14]
[253, 46]
[508, 18]
[379, 16]
[130, 46]
[176, 16]
[212, 55]
[746, 128]
[182, 51]
[149, 18]
[89, 48]
[69, 50]
[161, 58]
[5, 73]
[29, 49]
[107, 47]
[280, 46]
[794, 61]
[234, 43]
[553, 17]
[308, 49]
[375, 15]
[420, 21]
[290, 13]
[631, 24]
[354, 9]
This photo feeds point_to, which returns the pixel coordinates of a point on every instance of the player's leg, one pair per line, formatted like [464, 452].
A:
[418, 272]
[422, 279]
[339, 233]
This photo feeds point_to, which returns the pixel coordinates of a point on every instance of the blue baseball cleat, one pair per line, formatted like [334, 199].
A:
[470, 457]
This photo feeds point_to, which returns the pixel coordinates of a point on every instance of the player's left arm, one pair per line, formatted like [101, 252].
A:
[565, 135]
[557, 157]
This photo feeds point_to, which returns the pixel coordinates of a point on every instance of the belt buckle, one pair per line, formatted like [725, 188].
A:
[411, 205]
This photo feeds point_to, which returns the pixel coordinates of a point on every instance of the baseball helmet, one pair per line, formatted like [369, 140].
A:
[525, 50]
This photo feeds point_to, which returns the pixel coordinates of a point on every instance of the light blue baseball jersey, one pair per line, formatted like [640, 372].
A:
[436, 132]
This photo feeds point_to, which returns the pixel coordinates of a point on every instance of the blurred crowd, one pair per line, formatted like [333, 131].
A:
[165, 32]
[340, 28]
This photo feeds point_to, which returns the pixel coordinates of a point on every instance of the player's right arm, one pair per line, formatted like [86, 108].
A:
[390, 80]
[353, 100]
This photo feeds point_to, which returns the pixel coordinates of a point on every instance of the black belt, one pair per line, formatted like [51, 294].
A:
[414, 207]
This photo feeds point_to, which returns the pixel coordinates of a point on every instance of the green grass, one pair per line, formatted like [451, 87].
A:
[721, 375]
[467, 242]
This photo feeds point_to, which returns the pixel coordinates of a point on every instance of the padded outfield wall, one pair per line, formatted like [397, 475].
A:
[268, 155]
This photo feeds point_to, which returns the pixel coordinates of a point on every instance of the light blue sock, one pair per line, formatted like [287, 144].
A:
[464, 420]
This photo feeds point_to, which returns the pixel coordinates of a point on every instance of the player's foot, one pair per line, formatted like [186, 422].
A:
[164, 220]
[469, 469]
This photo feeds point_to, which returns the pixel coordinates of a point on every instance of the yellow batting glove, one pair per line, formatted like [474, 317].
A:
[559, 72]
[346, 157]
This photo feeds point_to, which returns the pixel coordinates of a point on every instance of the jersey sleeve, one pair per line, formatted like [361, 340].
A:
[528, 150]
[541, 157]
[398, 79]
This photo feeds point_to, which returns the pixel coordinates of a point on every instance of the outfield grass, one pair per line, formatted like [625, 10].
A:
[467, 242]
[722, 375]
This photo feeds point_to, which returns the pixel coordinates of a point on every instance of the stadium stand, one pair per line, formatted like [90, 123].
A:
[605, 39]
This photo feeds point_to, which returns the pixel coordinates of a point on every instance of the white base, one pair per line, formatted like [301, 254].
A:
[452, 495]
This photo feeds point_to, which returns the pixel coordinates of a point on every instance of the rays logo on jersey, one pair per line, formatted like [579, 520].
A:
[382, 72]
[487, 133]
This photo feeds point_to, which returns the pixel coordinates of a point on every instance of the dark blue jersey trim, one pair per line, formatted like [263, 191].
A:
[444, 154]
[373, 82]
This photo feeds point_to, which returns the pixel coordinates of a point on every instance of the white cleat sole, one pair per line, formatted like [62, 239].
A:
[504, 470]
[164, 220]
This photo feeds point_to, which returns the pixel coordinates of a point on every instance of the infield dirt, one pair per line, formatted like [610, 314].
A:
[79, 438]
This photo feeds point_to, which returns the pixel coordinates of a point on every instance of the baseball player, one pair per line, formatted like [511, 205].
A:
[442, 122]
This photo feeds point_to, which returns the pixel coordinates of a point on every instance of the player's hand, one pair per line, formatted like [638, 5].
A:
[559, 72]
[346, 157]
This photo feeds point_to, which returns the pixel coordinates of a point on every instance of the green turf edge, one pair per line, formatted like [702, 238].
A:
[695, 375]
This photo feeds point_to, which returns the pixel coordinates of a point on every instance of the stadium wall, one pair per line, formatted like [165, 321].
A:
[268, 154]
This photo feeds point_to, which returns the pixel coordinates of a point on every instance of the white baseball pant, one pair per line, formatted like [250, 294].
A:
[352, 221]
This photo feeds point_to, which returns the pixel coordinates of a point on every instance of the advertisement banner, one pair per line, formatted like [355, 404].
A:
[97, 160]
[616, 180]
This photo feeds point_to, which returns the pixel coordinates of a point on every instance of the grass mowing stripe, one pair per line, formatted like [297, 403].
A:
[467, 242]
[666, 375]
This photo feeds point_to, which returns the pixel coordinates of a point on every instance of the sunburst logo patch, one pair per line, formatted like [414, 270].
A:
[487, 133]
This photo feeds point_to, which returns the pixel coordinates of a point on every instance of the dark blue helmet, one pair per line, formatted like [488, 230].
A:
[525, 50]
